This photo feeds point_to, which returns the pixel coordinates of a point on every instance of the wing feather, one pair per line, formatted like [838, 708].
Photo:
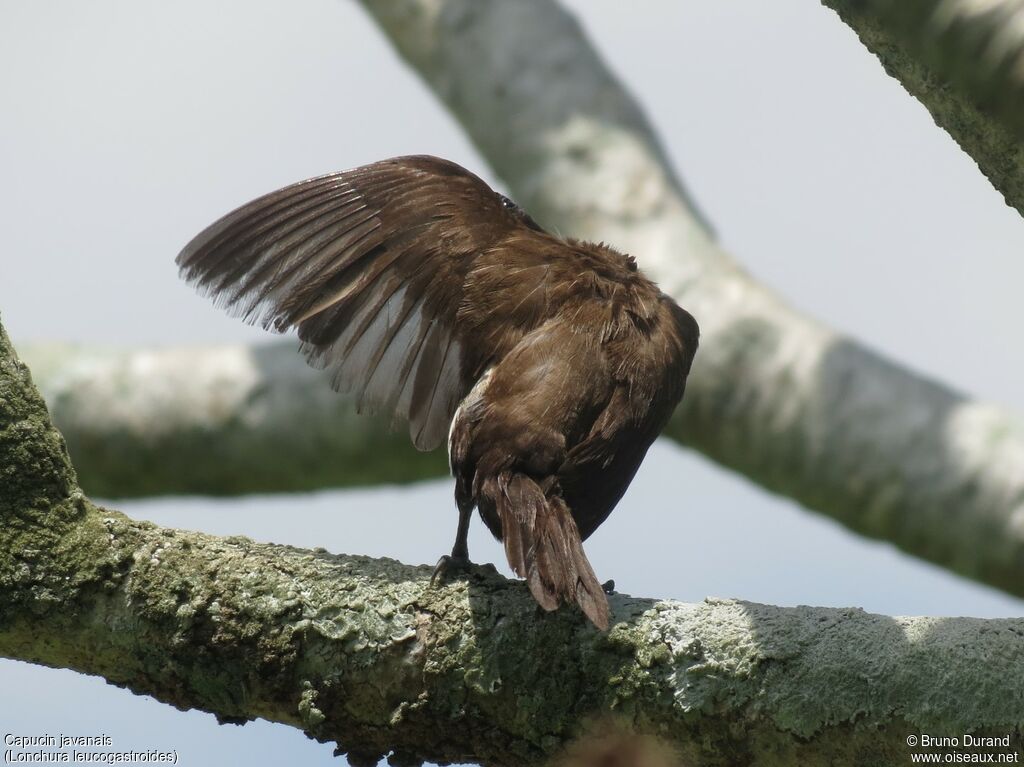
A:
[372, 267]
[220, 241]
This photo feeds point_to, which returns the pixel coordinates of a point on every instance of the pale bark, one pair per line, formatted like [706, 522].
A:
[368, 654]
[774, 394]
[218, 420]
[964, 61]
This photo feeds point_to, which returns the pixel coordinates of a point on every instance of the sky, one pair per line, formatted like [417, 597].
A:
[127, 126]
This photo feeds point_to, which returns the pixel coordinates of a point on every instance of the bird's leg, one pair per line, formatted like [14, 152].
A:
[459, 558]
[461, 548]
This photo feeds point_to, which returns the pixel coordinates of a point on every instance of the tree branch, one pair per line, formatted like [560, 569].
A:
[773, 394]
[218, 420]
[964, 61]
[368, 654]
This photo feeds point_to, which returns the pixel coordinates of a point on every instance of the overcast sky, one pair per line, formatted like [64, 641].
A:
[128, 126]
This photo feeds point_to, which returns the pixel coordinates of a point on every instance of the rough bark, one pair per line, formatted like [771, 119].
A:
[964, 61]
[369, 654]
[773, 394]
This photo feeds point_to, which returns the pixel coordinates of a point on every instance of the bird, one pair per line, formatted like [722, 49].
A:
[548, 364]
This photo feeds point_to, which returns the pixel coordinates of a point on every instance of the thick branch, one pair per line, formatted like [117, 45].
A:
[217, 420]
[367, 653]
[964, 61]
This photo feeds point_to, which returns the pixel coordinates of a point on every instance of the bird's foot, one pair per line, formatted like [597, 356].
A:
[449, 565]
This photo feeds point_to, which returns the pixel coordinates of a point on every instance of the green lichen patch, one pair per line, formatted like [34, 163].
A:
[35, 471]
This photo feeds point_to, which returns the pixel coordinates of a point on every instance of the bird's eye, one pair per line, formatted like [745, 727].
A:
[507, 203]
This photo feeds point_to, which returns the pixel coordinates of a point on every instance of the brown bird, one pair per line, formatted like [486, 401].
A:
[551, 364]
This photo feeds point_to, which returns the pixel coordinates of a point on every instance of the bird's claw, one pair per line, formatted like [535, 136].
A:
[448, 565]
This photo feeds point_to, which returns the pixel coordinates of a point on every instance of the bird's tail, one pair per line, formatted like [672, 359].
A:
[543, 546]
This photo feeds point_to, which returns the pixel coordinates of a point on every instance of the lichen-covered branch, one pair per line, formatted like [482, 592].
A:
[369, 654]
[964, 61]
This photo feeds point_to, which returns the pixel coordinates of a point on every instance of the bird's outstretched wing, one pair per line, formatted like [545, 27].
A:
[401, 277]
